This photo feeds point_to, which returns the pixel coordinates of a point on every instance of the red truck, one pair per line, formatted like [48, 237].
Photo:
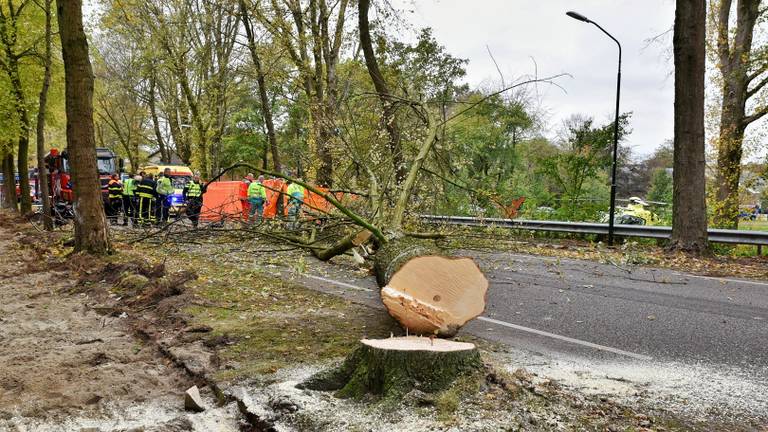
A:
[60, 177]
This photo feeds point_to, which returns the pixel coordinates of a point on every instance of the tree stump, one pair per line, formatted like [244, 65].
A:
[395, 366]
[426, 292]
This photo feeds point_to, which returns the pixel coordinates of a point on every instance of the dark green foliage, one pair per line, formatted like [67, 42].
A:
[585, 151]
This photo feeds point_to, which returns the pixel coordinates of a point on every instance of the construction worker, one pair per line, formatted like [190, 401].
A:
[295, 194]
[145, 191]
[114, 199]
[193, 197]
[244, 202]
[257, 194]
[164, 192]
[129, 207]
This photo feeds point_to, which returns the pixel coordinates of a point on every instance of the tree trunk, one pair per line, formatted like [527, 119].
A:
[266, 106]
[735, 63]
[426, 292]
[165, 154]
[689, 220]
[9, 184]
[324, 153]
[352, 240]
[393, 367]
[91, 233]
[42, 171]
[390, 108]
[23, 139]
[177, 116]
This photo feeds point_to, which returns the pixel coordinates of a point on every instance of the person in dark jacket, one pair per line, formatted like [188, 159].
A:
[147, 197]
[114, 199]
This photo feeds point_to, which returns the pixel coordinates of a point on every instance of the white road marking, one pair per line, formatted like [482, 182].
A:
[567, 339]
[513, 326]
[335, 282]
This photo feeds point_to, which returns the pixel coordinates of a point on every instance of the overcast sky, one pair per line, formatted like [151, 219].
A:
[516, 30]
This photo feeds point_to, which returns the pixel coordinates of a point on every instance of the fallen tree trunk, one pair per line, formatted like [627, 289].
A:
[395, 366]
[427, 292]
[350, 241]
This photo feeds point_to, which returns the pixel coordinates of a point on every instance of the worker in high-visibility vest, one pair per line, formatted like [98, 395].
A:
[164, 192]
[129, 195]
[295, 194]
[257, 194]
[245, 203]
[193, 197]
[145, 191]
[114, 199]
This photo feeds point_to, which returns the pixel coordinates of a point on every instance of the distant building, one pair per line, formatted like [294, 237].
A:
[154, 158]
[753, 185]
[632, 180]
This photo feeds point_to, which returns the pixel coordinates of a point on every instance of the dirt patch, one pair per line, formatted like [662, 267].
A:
[71, 358]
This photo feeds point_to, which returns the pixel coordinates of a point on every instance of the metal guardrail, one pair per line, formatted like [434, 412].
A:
[759, 238]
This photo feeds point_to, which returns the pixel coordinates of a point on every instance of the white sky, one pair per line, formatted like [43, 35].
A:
[516, 30]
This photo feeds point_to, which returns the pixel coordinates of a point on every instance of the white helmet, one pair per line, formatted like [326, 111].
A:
[637, 200]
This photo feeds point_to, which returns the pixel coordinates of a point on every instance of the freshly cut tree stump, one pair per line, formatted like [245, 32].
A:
[395, 366]
[429, 293]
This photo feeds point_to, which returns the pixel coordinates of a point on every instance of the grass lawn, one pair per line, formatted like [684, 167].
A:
[754, 225]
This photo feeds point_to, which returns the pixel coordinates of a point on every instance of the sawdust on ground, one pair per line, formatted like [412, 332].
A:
[59, 356]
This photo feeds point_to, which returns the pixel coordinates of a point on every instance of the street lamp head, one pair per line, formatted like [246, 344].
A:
[577, 16]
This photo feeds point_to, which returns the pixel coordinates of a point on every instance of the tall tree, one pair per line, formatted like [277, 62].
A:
[91, 233]
[743, 77]
[9, 185]
[312, 33]
[382, 89]
[689, 219]
[10, 62]
[42, 172]
[266, 106]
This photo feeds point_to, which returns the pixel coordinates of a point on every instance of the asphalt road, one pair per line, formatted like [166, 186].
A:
[661, 314]
[594, 309]
[693, 335]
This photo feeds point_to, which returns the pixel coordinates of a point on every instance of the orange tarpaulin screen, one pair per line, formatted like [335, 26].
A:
[227, 200]
[222, 201]
[273, 188]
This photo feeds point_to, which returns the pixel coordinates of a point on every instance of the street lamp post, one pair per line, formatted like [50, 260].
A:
[612, 211]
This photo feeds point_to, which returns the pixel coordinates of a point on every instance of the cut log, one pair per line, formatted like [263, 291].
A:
[426, 292]
[395, 366]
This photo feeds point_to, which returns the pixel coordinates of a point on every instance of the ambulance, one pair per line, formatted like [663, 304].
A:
[180, 176]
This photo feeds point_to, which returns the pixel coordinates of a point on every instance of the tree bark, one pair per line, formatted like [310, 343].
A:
[91, 233]
[9, 184]
[382, 89]
[393, 367]
[689, 220]
[42, 171]
[165, 154]
[25, 202]
[734, 61]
